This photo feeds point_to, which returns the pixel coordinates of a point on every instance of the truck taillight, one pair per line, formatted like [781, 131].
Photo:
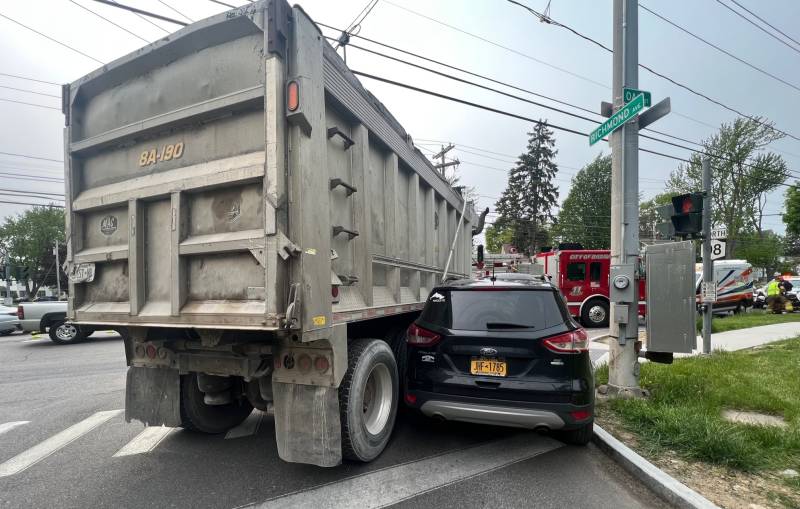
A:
[418, 336]
[576, 341]
[20, 312]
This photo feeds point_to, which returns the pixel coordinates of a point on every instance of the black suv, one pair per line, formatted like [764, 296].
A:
[501, 351]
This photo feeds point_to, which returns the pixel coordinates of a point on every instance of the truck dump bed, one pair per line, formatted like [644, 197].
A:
[196, 198]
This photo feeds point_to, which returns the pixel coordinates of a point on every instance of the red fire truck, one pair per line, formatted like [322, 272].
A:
[582, 277]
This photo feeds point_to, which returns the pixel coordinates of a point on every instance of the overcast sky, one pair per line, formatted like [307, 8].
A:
[540, 57]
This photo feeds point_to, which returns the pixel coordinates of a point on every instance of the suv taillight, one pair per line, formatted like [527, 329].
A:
[20, 312]
[418, 336]
[576, 341]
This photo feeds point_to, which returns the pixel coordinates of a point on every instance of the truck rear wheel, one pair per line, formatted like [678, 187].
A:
[368, 397]
[595, 313]
[196, 415]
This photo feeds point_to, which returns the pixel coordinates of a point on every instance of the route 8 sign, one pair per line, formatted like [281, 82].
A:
[717, 249]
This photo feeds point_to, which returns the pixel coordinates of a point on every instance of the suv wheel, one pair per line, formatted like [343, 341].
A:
[578, 436]
[595, 313]
[62, 333]
[368, 399]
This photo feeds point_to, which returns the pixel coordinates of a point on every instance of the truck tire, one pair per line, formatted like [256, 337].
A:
[62, 333]
[211, 419]
[595, 313]
[368, 397]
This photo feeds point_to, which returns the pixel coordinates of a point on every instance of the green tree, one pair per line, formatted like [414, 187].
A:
[743, 174]
[791, 219]
[585, 216]
[496, 236]
[27, 241]
[763, 249]
[528, 201]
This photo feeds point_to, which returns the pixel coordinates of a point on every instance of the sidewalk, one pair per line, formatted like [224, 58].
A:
[748, 338]
[729, 341]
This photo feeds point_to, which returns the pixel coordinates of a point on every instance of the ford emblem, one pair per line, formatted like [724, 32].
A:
[488, 351]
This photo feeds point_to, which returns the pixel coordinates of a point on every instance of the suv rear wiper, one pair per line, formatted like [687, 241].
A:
[507, 325]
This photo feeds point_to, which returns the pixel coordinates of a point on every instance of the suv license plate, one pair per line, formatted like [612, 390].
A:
[488, 367]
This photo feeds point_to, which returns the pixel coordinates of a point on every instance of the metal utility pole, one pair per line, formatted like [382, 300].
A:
[708, 263]
[58, 271]
[441, 155]
[623, 375]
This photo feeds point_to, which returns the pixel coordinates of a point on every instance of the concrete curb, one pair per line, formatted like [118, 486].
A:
[663, 484]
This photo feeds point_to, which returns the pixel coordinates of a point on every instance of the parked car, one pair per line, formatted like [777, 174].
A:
[9, 323]
[504, 352]
[51, 317]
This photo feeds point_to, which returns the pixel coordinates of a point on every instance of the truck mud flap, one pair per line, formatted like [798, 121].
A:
[307, 425]
[152, 396]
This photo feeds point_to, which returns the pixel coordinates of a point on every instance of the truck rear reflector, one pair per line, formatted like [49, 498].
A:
[292, 96]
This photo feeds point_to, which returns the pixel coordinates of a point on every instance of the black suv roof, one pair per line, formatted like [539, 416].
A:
[523, 282]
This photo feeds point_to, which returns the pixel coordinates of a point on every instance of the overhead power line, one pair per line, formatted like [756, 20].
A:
[33, 204]
[31, 104]
[759, 26]
[109, 21]
[29, 79]
[719, 103]
[482, 76]
[223, 3]
[558, 110]
[721, 50]
[53, 40]
[34, 178]
[493, 43]
[30, 91]
[176, 11]
[528, 119]
[32, 157]
[143, 12]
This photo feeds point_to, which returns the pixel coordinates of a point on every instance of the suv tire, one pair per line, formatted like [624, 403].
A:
[368, 399]
[578, 436]
[595, 313]
[63, 333]
[211, 419]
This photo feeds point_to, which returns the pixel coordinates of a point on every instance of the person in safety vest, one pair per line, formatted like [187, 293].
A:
[775, 299]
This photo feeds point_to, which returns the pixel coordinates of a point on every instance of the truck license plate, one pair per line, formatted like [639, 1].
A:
[488, 367]
[82, 273]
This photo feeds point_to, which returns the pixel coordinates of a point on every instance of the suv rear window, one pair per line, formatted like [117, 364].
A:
[493, 309]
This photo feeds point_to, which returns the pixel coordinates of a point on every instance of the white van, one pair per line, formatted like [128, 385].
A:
[734, 285]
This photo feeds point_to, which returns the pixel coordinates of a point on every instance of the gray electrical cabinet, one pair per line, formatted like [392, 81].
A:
[671, 308]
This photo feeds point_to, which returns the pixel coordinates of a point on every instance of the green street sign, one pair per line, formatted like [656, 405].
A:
[629, 94]
[617, 120]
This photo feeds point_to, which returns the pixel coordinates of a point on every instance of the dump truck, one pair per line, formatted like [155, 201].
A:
[259, 228]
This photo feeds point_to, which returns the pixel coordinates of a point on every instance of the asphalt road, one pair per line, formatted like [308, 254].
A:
[64, 443]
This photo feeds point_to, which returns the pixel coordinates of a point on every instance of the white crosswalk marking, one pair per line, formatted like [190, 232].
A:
[145, 441]
[248, 427]
[8, 426]
[44, 449]
[391, 485]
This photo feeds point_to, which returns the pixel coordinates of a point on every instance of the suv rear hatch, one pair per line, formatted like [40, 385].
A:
[493, 338]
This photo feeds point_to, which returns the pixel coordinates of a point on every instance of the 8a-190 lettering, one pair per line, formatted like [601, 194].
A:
[166, 153]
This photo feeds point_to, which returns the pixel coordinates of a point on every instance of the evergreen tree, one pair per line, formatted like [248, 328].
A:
[528, 201]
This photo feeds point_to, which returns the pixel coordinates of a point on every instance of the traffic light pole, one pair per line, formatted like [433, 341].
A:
[708, 263]
[623, 372]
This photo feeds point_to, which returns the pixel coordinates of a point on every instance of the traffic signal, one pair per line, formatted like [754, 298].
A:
[688, 217]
